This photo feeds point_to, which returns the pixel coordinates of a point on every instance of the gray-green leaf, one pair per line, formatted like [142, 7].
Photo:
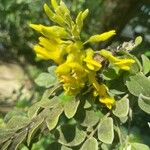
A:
[144, 103]
[70, 135]
[139, 146]
[146, 64]
[122, 108]
[53, 117]
[139, 84]
[70, 107]
[46, 80]
[106, 131]
[90, 144]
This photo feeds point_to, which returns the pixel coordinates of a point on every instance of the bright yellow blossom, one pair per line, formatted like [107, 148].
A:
[50, 49]
[122, 63]
[90, 62]
[72, 75]
[51, 31]
[101, 37]
[101, 90]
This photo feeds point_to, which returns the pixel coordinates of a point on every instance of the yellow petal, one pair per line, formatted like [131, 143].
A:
[54, 4]
[108, 101]
[102, 37]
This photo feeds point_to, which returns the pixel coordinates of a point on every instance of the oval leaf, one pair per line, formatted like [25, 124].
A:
[53, 117]
[122, 108]
[106, 131]
[90, 144]
[144, 103]
[34, 126]
[146, 64]
[71, 107]
[46, 80]
[19, 138]
[70, 135]
[139, 146]
[139, 84]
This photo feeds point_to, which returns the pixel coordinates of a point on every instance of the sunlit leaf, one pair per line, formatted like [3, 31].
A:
[19, 138]
[70, 135]
[34, 126]
[17, 122]
[5, 134]
[138, 84]
[46, 80]
[106, 131]
[6, 144]
[53, 117]
[70, 107]
[144, 103]
[90, 144]
[139, 146]
[146, 64]
[33, 110]
[121, 107]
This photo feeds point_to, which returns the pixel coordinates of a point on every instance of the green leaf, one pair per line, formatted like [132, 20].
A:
[33, 110]
[19, 138]
[106, 131]
[144, 103]
[53, 117]
[6, 144]
[11, 114]
[138, 84]
[139, 146]
[46, 80]
[110, 74]
[146, 64]
[90, 144]
[70, 107]
[65, 148]
[121, 108]
[5, 134]
[34, 126]
[49, 103]
[138, 40]
[65, 98]
[90, 119]
[70, 135]
[17, 122]
[51, 70]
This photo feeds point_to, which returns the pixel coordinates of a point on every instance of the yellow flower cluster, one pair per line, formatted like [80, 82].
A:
[76, 65]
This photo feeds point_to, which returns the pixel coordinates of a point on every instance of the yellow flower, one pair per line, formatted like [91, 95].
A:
[51, 31]
[72, 75]
[122, 63]
[108, 101]
[50, 49]
[90, 62]
[101, 37]
[101, 90]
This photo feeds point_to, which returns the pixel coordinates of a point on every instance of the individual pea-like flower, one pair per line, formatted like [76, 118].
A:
[90, 62]
[121, 63]
[101, 37]
[101, 90]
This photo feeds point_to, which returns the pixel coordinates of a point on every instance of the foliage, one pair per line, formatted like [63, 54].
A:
[15, 34]
[90, 95]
